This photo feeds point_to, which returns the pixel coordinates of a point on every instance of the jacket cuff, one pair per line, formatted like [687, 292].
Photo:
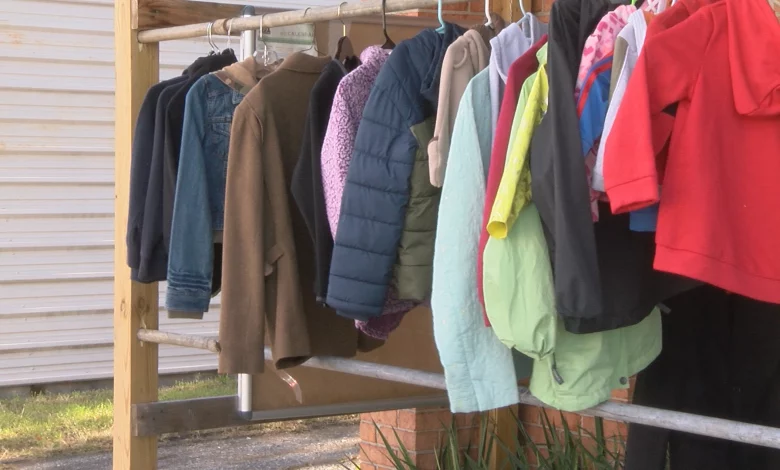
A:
[192, 301]
[634, 195]
[177, 314]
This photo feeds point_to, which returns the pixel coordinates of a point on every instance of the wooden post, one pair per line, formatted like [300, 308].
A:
[135, 304]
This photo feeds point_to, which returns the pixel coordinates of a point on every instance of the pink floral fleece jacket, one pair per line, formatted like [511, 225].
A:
[351, 97]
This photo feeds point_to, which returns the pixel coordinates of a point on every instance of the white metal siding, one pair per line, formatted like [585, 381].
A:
[56, 191]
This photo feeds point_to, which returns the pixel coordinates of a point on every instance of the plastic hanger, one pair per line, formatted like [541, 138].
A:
[522, 8]
[488, 15]
[345, 44]
[389, 44]
[265, 46]
[442, 26]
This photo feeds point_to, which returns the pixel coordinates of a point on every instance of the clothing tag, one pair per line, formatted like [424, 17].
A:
[664, 309]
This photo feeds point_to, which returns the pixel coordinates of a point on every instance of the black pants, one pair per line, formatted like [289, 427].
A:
[721, 358]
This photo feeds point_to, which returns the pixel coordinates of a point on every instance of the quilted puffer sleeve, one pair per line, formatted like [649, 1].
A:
[375, 200]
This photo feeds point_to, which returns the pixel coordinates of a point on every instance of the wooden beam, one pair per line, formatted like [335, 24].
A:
[154, 419]
[510, 9]
[350, 9]
[209, 343]
[503, 423]
[135, 305]
[150, 14]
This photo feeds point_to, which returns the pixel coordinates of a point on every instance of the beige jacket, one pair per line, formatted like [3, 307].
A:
[465, 57]
[268, 253]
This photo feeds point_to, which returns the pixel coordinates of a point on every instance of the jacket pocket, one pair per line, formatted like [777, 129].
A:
[271, 257]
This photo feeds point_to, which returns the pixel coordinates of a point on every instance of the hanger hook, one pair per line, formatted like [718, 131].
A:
[488, 14]
[343, 25]
[441, 18]
[522, 7]
[314, 26]
[229, 32]
[210, 37]
[384, 16]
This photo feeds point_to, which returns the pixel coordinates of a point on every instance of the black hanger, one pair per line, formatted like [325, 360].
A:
[389, 44]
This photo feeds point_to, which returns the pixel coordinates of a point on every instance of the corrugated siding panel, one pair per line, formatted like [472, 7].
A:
[56, 191]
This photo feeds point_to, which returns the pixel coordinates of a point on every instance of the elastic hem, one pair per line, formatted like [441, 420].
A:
[716, 272]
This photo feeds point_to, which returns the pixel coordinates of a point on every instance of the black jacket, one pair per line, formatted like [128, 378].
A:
[603, 273]
[147, 250]
[307, 177]
[140, 172]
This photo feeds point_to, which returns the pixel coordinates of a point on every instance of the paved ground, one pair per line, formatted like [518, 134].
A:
[315, 449]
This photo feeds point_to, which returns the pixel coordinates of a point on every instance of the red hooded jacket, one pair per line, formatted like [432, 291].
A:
[719, 217]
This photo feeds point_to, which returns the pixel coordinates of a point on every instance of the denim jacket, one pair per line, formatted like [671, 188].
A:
[199, 206]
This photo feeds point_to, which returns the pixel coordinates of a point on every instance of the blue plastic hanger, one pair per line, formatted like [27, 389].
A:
[441, 28]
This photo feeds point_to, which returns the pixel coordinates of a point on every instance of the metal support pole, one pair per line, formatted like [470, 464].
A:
[244, 392]
[287, 18]
[248, 37]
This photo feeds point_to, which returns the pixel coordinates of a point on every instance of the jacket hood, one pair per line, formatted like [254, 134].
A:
[248, 72]
[438, 44]
[475, 51]
[754, 42]
[206, 64]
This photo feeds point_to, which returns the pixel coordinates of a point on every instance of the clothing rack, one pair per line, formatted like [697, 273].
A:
[138, 417]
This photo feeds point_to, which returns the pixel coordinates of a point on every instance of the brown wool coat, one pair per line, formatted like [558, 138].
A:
[268, 254]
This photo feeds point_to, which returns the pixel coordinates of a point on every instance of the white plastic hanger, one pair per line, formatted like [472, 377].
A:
[488, 15]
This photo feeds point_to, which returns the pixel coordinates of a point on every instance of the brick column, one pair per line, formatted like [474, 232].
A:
[422, 433]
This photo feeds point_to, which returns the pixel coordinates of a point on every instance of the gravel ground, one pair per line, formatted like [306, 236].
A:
[316, 449]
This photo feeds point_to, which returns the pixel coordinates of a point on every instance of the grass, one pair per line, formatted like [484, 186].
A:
[41, 426]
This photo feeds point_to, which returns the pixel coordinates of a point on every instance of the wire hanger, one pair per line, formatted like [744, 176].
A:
[488, 15]
[229, 36]
[345, 44]
[209, 35]
[389, 44]
[442, 27]
[314, 39]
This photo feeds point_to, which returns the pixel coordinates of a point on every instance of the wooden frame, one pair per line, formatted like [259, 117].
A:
[135, 304]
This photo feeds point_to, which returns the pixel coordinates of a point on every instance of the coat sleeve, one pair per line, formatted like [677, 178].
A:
[242, 317]
[374, 204]
[190, 261]
[665, 73]
[140, 169]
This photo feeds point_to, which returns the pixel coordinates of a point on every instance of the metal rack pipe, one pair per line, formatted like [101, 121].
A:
[673, 420]
[286, 18]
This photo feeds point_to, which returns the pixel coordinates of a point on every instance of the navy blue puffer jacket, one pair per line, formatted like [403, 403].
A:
[377, 191]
